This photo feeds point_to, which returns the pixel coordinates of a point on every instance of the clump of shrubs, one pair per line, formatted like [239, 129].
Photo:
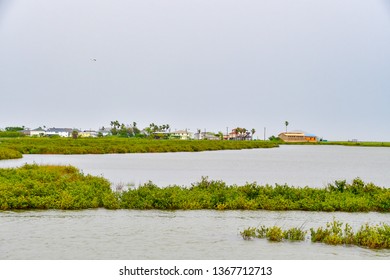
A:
[335, 233]
[274, 233]
[53, 187]
[6, 153]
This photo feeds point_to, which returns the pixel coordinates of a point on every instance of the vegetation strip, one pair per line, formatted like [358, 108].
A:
[115, 145]
[338, 143]
[372, 237]
[65, 187]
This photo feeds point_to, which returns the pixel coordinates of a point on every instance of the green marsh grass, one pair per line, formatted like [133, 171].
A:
[356, 196]
[53, 187]
[6, 153]
[115, 145]
[274, 233]
[341, 143]
[335, 233]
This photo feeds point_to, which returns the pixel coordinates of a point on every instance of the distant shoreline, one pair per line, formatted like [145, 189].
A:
[13, 148]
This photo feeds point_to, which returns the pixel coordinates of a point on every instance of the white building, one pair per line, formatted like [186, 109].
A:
[62, 132]
[182, 135]
[38, 132]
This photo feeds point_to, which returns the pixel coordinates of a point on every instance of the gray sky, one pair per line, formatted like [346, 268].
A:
[322, 65]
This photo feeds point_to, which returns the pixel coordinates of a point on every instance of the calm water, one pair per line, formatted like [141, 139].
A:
[315, 166]
[128, 234]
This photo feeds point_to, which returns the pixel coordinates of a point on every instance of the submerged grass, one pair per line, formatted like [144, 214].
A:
[274, 233]
[335, 233]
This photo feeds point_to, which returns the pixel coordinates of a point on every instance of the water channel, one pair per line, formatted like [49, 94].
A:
[131, 234]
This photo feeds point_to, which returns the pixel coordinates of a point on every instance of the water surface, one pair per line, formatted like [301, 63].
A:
[315, 166]
[203, 234]
[130, 234]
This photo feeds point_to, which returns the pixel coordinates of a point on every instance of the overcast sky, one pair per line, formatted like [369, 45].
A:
[323, 66]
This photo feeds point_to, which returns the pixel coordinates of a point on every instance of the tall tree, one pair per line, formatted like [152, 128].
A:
[115, 125]
[136, 130]
[286, 123]
[14, 128]
[75, 134]
[253, 131]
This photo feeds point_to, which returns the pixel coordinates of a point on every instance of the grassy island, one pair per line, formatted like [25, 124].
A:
[65, 187]
[356, 196]
[114, 145]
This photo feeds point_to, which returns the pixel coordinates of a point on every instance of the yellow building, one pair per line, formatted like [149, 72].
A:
[297, 137]
[87, 133]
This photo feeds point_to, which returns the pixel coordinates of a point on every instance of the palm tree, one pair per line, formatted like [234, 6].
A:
[238, 133]
[244, 133]
[75, 134]
[253, 131]
[286, 123]
[199, 135]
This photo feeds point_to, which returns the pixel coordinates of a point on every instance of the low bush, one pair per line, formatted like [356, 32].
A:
[371, 237]
[6, 153]
[53, 187]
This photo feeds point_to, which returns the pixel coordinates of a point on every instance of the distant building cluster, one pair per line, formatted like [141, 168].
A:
[235, 134]
[71, 132]
[64, 132]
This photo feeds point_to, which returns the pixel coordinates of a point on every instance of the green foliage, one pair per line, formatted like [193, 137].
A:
[9, 154]
[294, 234]
[274, 233]
[249, 233]
[333, 234]
[207, 194]
[53, 187]
[210, 194]
[372, 237]
[343, 143]
[11, 134]
[273, 138]
[14, 128]
[104, 145]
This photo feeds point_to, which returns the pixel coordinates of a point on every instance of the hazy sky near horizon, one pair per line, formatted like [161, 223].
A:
[322, 65]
